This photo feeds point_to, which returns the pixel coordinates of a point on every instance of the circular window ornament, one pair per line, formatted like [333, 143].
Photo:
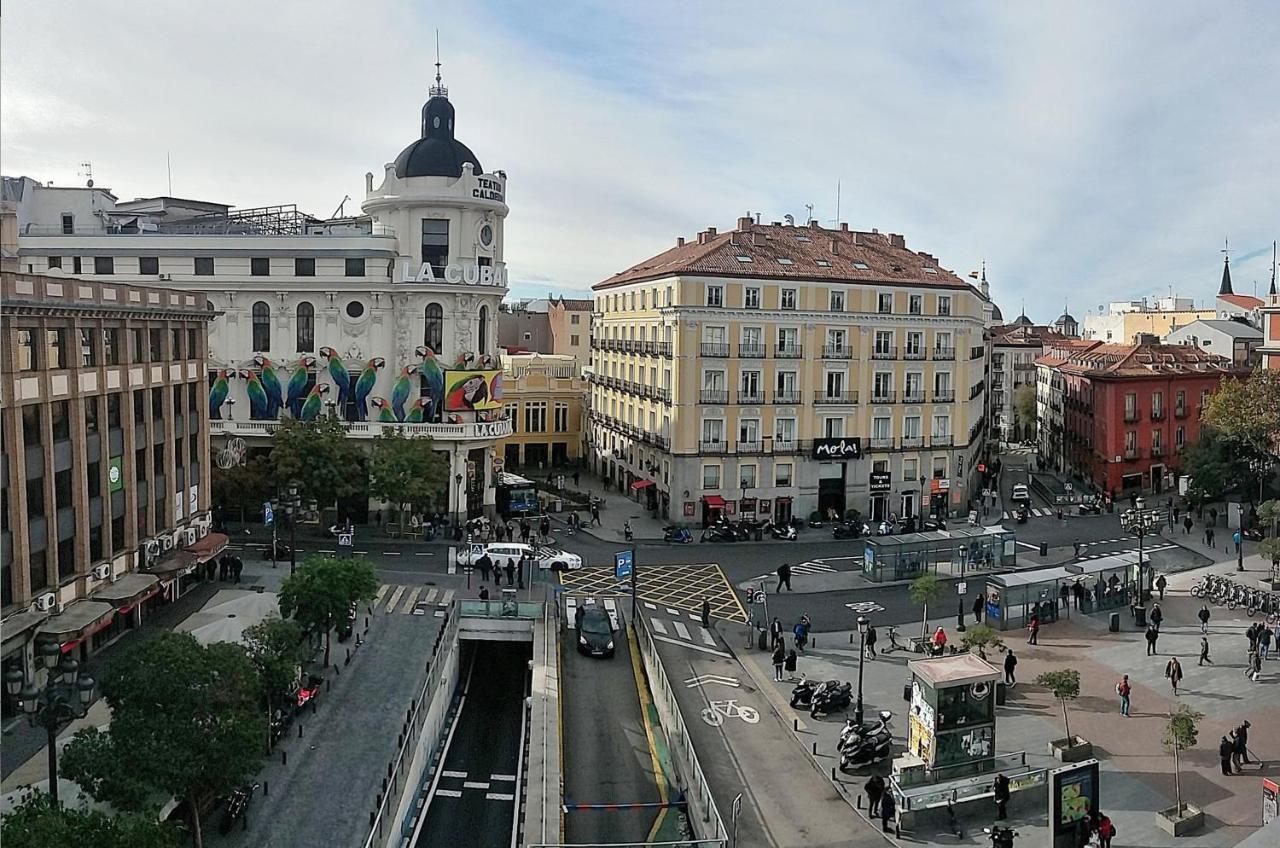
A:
[486, 235]
[980, 690]
[435, 122]
[113, 476]
[355, 309]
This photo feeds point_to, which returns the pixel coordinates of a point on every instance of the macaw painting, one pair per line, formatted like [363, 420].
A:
[338, 372]
[218, 393]
[271, 385]
[433, 383]
[259, 405]
[315, 400]
[365, 384]
[298, 379]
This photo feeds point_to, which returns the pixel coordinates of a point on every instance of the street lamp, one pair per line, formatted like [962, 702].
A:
[862, 655]
[1140, 523]
[964, 556]
[293, 508]
[66, 696]
[457, 478]
[275, 511]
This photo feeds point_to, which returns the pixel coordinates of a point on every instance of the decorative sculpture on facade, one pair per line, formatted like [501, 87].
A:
[315, 400]
[298, 381]
[218, 393]
[271, 385]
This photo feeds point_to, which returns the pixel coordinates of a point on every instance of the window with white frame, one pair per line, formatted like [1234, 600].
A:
[882, 384]
[535, 416]
[881, 427]
[782, 474]
[939, 467]
[914, 389]
[833, 428]
[784, 431]
[713, 381]
[915, 344]
[753, 338]
[787, 382]
[787, 299]
[944, 304]
[749, 431]
[561, 422]
[751, 297]
[915, 304]
[835, 383]
[884, 342]
[835, 340]
[714, 335]
[710, 476]
[715, 296]
[943, 341]
[941, 426]
[835, 301]
[910, 466]
[713, 431]
[788, 338]
[747, 476]
[911, 427]
[884, 303]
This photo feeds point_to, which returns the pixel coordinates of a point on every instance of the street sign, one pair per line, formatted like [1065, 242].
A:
[268, 515]
[962, 587]
[346, 540]
[476, 552]
[623, 561]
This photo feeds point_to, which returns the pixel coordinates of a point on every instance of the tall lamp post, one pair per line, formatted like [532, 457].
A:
[275, 511]
[457, 513]
[964, 555]
[66, 696]
[862, 655]
[1140, 523]
[293, 509]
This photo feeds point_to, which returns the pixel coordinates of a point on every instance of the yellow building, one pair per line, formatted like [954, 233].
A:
[544, 397]
[776, 370]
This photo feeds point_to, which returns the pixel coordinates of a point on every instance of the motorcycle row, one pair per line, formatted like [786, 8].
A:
[740, 531]
[1224, 591]
[860, 744]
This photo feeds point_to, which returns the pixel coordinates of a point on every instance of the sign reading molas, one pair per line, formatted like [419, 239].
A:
[456, 273]
[837, 448]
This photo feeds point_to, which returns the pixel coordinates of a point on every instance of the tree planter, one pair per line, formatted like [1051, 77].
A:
[1072, 749]
[1269, 585]
[1179, 821]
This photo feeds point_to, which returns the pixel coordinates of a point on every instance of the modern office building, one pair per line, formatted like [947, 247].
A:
[545, 401]
[104, 457]
[386, 318]
[777, 370]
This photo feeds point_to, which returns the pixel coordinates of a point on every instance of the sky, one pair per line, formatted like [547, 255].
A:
[1087, 152]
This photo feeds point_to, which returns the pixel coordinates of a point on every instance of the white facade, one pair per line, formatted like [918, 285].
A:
[1235, 340]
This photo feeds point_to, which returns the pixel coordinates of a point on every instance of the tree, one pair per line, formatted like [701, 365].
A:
[185, 723]
[981, 637]
[1247, 412]
[406, 470]
[1065, 686]
[1213, 466]
[243, 487]
[925, 590]
[318, 455]
[37, 823]
[277, 648]
[1269, 516]
[322, 592]
[1180, 733]
[1024, 411]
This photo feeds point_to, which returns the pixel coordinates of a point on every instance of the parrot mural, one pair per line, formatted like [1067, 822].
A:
[298, 380]
[338, 371]
[400, 390]
[311, 408]
[259, 404]
[385, 415]
[417, 411]
[364, 385]
[465, 361]
[218, 394]
[433, 376]
[271, 385]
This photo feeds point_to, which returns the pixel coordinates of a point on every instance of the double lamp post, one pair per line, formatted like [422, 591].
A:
[66, 696]
[292, 504]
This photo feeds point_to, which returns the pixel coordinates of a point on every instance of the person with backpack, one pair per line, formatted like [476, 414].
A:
[1124, 690]
[1157, 615]
[875, 791]
[1106, 830]
[790, 664]
[888, 809]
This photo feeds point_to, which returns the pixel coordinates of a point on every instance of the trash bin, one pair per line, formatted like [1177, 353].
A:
[1140, 617]
[1114, 624]
[1000, 693]
[1044, 549]
[906, 691]
[762, 639]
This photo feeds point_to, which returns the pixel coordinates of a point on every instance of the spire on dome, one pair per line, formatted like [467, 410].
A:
[1225, 288]
[1273, 269]
[438, 90]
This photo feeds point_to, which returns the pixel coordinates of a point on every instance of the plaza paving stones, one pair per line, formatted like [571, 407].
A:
[680, 588]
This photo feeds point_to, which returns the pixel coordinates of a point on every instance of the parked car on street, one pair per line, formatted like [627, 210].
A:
[1021, 494]
[547, 558]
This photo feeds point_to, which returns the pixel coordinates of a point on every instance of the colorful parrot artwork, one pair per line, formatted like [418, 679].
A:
[364, 385]
[401, 389]
[311, 408]
[417, 412]
[465, 361]
[385, 415]
[271, 385]
[218, 394]
[259, 405]
[433, 376]
[338, 371]
[298, 380]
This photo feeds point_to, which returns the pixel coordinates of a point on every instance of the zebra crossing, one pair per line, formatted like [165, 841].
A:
[1038, 511]
[1148, 551]
[398, 599]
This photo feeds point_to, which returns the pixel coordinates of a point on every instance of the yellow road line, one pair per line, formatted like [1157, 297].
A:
[643, 691]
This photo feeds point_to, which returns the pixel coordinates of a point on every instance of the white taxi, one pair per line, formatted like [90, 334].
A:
[548, 559]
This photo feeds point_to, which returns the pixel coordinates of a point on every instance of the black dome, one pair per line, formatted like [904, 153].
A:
[437, 153]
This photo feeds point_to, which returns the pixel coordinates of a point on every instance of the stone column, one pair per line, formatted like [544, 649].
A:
[457, 491]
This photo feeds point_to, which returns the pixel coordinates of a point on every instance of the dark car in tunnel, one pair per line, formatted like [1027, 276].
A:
[595, 633]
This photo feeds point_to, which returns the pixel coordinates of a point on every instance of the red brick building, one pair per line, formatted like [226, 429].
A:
[1127, 411]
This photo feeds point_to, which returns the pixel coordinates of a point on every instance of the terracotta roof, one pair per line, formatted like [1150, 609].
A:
[1019, 334]
[575, 304]
[1243, 301]
[810, 253]
[1119, 360]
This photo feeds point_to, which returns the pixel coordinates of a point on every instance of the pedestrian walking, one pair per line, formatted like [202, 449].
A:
[1236, 540]
[1077, 593]
[1242, 740]
[1076, 546]
[1124, 690]
[1187, 524]
[224, 566]
[511, 571]
[1252, 635]
[1209, 536]
[1000, 794]
[1254, 669]
[1161, 583]
[595, 513]
[706, 614]
[784, 577]
[484, 563]
[1064, 595]
[1010, 665]
[578, 615]
[544, 529]
[1152, 636]
[1265, 636]
[1204, 651]
[1225, 749]
[575, 479]
[791, 664]
[237, 566]
[1203, 615]
[484, 593]
[1173, 671]
[888, 809]
[779, 657]
[939, 642]
[1033, 630]
[775, 632]
[871, 643]
[979, 605]
[1157, 615]
[1106, 830]
[801, 633]
[875, 791]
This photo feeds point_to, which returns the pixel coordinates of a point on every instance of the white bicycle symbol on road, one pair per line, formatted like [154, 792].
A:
[718, 711]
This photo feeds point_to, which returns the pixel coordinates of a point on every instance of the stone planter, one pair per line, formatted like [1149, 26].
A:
[1180, 821]
[1269, 585]
[1071, 750]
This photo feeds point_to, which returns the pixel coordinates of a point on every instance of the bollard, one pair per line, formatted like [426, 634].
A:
[859, 804]
[815, 749]
[284, 758]
[373, 818]
[299, 730]
[266, 789]
[850, 638]
[815, 641]
[348, 662]
[834, 779]
[328, 685]
[795, 725]
[244, 822]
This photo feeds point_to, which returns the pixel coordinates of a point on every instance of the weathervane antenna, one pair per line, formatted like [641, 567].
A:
[438, 88]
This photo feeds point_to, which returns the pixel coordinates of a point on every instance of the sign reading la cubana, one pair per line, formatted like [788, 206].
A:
[845, 447]
[471, 274]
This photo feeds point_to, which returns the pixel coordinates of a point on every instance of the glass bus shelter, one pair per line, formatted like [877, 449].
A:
[1104, 584]
[960, 552]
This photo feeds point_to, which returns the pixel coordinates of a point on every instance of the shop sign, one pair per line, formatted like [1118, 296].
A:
[844, 447]
[115, 474]
[688, 508]
[748, 504]
[766, 506]
[880, 481]
[470, 274]
[729, 507]
[487, 188]
[937, 486]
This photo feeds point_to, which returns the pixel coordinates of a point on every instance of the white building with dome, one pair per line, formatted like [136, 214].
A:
[368, 318]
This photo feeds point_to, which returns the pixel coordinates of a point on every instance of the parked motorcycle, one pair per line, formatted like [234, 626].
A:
[786, 532]
[282, 551]
[1093, 507]
[237, 803]
[719, 532]
[678, 535]
[802, 693]
[850, 530]
[866, 750]
[852, 733]
[832, 697]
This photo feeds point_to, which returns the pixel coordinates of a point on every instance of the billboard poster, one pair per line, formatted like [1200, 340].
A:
[1074, 794]
[470, 391]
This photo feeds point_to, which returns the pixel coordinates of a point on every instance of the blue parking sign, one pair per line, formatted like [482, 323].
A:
[268, 515]
[622, 564]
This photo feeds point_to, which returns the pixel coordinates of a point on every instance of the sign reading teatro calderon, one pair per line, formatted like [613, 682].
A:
[456, 273]
[844, 447]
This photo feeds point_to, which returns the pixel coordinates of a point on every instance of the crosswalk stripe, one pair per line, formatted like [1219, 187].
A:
[658, 625]
[670, 611]
[507, 777]
[382, 590]
[648, 605]
[409, 601]
[461, 774]
[499, 796]
[446, 598]
[395, 596]
[450, 793]
[707, 638]
[681, 630]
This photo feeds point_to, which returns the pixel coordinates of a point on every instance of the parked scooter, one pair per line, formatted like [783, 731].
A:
[786, 532]
[850, 529]
[282, 551]
[802, 693]
[867, 750]
[237, 803]
[832, 697]
[721, 531]
[678, 535]
[852, 733]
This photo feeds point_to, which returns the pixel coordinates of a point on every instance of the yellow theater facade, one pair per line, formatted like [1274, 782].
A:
[777, 370]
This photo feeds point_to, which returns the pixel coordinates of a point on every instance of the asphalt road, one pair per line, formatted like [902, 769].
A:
[606, 751]
[474, 798]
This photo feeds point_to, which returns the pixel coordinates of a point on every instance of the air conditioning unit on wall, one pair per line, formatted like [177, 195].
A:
[190, 535]
[45, 602]
[101, 572]
[166, 542]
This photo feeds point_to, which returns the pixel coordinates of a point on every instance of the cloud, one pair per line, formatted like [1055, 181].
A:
[1089, 151]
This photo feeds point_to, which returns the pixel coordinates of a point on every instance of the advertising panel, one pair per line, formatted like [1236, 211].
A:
[468, 391]
[846, 447]
[1073, 795]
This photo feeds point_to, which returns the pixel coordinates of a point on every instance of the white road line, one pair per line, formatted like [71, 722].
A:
[450, 793]
[691, 647]
[446, 773]
[446, 598]
[391, 553]
[409, 601]
[670, 611]
[707, 638]
[658, 625]
[1029, 545]
[395, 597]
[499, 796]
[475, 784]
[681, 630]
[423, 553]
[648, 605]
[326, 552]
[430, 596]
[382, 590]
[507, 777]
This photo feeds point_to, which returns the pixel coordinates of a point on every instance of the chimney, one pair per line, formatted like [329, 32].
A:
[857, 239]
[897, 240]
[702, 237]
[776, 223]
[813, 223]
[733, 237]
[844, 226]
[711, 232]
[680, 241]
[743, 223]
[874, 230]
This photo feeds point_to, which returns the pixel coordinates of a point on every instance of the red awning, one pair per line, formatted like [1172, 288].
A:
[208, 547]
[713, 501]
[641, 484]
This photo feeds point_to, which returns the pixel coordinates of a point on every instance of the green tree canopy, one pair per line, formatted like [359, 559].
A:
[185, 723]
[1247, 413]
[1214, 465]
[37, 823]
[277, 648]
[406, 470]
[925, 590]
[1065, 686]
[318, 455]
[243, 486]
[320, 594]
[1181, 732]
[981, 637]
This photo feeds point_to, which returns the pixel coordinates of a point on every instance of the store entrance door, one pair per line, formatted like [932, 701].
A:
[831, 489]
[879, 507]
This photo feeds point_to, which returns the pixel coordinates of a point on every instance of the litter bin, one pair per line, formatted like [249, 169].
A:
[906, 691]
[762, 639]
[1044, 549]
[1114, 624]
[1000, 693]
[1140, 617]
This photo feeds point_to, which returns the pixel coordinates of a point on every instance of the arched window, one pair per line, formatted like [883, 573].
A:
[261, 326]
[306, 327]
[482, 344]
[433, 335]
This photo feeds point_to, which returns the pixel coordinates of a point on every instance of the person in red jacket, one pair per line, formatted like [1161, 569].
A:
[939, 641]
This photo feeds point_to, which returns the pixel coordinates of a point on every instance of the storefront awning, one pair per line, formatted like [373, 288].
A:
[127, 590]
[713, 501]
[208, 547]
[641, 484]
[189, 557]
[17, 627]
[77, 621]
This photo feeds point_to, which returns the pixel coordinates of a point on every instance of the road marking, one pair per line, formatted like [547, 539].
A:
[409, 601]
[658, 625]
[703, 679]
[461, 774]
[382, 590]
[450, 793]
[812, 568]
[475, 784]
[691, 646]
[648, 605]
[506, 777]
[395, 596]
[423, 553]
[865, 607]
[500, 796]
[670, 611]
[707, 638]
[326, 552]
[681, 630]
[445, 599]
[1029, 545]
